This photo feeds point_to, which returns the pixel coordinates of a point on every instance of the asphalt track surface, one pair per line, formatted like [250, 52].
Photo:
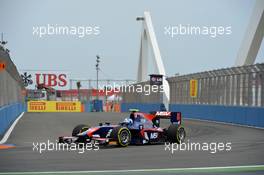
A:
[247, 147]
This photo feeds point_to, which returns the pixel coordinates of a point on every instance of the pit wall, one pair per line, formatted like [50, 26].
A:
[8, 114]
[249, 116]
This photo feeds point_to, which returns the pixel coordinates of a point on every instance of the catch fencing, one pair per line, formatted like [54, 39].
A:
[237, 86]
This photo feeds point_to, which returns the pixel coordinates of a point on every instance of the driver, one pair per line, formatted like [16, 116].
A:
[130, 121]
[132, 116]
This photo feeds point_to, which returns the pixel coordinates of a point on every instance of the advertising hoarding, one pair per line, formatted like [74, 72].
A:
[54, 106]
[58, 80]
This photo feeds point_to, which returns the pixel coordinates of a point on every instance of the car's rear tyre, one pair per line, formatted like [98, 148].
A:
[121, 135]
[176, 134]
[79, 129]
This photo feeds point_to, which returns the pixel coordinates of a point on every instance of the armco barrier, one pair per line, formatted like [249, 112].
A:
[250, 116]
[8, 115]
[144, 107]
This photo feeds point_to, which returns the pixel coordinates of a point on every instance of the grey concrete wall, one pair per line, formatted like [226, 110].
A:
[11, 85]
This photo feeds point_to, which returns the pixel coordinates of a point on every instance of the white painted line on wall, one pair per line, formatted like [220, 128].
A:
[9, 131]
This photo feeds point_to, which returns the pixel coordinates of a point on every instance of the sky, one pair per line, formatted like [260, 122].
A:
[119, 40]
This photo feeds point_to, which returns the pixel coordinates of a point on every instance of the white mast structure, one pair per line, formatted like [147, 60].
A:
[253, 37]
[148, 40]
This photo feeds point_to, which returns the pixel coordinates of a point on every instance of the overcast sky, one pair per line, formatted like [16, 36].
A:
[119, 38]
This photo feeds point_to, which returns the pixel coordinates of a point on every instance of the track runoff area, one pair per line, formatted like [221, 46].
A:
[241, 149]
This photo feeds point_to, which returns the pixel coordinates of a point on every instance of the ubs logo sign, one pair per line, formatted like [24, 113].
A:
[51, 80]
[57, 80]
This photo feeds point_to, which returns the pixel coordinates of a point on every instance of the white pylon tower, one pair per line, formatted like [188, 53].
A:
[253, 37]
[148, 40]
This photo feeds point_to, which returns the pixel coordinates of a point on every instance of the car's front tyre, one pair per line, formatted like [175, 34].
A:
[121, 135]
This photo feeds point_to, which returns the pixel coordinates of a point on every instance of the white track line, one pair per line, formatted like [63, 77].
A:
[226, 123]
[137, 170]
[9, 131]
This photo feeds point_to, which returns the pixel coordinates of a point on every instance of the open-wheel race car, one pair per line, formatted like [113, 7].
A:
[138, 128]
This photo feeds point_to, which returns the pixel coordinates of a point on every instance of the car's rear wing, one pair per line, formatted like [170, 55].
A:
[175, 117]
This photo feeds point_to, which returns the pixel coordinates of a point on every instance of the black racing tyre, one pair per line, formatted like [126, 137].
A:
[176, 134]
[121, 135]
[78, 129]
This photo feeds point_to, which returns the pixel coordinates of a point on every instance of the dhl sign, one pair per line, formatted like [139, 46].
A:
[54, 106]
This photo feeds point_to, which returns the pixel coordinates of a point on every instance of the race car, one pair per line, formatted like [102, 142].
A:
[138, 128]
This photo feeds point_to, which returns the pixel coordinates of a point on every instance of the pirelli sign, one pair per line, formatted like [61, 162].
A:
[54, 106]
